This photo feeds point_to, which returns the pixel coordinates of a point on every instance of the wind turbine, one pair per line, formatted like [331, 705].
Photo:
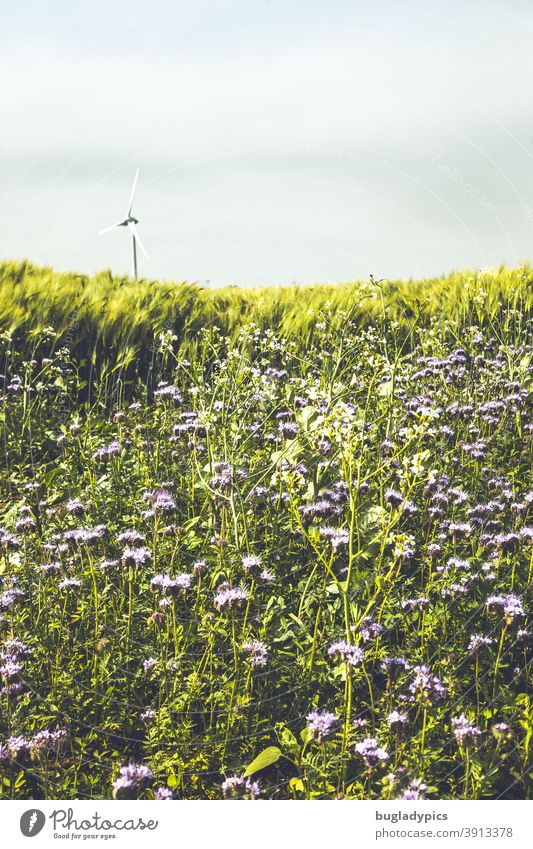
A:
[131, 223]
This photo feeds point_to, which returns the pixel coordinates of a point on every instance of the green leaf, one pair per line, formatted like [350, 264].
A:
[267, 757]
[308, 418]
[385, 389]
[287, 739]
[172, 780]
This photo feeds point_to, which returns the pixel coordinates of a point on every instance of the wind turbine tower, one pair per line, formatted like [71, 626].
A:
[131, 223]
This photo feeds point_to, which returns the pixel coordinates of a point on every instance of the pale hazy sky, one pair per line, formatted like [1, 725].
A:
[277, 140]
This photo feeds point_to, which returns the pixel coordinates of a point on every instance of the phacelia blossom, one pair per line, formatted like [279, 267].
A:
[163, 793]
[132, 778]
[510, 606]
[75, 507]
[250, 563]
[130, 537]
[136, 556]
[321, 725]
[369, 628]
[171, 586]
[464, 731]
[161, 501]
[396, 719]
[394, 666]
[426, 687]
[350, 654]
[414, 791]
[230, 598]
[69, 584]
[107, 451]
[371, 752]
[336, 536]
[238, 787]
[478, 642]
[257, 651]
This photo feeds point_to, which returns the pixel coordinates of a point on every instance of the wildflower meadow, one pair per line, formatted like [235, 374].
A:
[285, 555]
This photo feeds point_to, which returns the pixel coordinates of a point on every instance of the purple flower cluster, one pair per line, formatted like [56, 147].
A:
[371, 752]
[107, 451]
[336, 536]
[426, 688]
[132, 778]
[510, 606]
[321, 725]
[464, 731]
[257, 651]
[239, 787]
[229, 598]
[136, 556]
[166, 585]
[347, 652]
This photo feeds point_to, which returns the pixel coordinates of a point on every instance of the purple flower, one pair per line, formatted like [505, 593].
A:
[502, 731]
[104, 565]
[75, 507]
[267, 577]
[107, 451]
[86, 536]
[166, 392]
[460, 529]
[69, 584]
[320, 725]
[250, 563]
[46, 742]
[396, 719]
[15, 649]
[239, 787]
[147, 715]
[394, 666]
[463, 730]
[369, 628]
[163, 793]
[200, 568]
[288, 430]
[426, 687]
[171, 586]
[136, 556]
[8, 542]
[230, 598]
[350, 654]
[10, 668]
[510, 606]
[161, 501]
[414, 791]
[394, 498]
[336, 536]
[130, 537]
[420, 603]
[132, 778]
[371, 752]
[9, 597]
[258, 652]
[222, 479]
[17, 746]
[478, 642]
[526, 535]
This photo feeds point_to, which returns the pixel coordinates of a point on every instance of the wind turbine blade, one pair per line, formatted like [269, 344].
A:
[108, 229]
[135, 233]
[133, 191]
